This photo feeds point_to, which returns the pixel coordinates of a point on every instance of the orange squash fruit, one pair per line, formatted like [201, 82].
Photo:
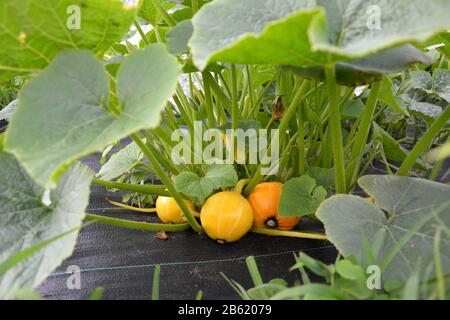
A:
[264, 200]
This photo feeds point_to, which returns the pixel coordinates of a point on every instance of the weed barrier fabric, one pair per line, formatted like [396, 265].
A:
[122, 260]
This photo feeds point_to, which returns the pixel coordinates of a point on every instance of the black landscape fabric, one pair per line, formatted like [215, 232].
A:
[122, 261]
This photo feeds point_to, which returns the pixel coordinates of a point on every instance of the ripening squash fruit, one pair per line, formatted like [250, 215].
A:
[226, 216]
[168, 210]
[264, 200]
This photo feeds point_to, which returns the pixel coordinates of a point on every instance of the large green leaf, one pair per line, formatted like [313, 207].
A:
[178, 37]
[399, 204]
[216, 176]
[26, 220]
[121, 162]
[369, 69]
[32, 32]
[61, 115]
[301, 33]
[301, 197]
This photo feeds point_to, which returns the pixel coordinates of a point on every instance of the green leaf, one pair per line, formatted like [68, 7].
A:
[387, 96]
[353, 109]
[217, 176]
[121, 162]
[97, 294]
[369, 69]
[438, 83]
[429, 94]
[150, 13]
[324, 176]
[323, 291]
[300, 33]
[178, 37]
[61, 115]
[34, 31]
[393, 150]
[399, 204]
[411, 291]
[253, 32]
[348, 270]
[441, 83]
[267, 290]
[27, 220]
[315, 266]
[301, 197]
[424, 104]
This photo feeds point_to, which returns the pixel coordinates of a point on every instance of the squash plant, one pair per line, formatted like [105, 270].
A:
[286, 65]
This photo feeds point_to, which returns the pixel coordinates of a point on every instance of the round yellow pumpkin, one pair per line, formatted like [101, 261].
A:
[169, 211]
[226, 216]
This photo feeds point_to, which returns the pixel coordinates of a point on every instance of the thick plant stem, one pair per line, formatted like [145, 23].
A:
[141, 33]
[335, 130]
[145, 188]
[362, 134]
[144, 226]
[255, 179]
[168, 183]
[240, 185]
[291, 234]
[423, 143]
[194, 4]
[165, 15]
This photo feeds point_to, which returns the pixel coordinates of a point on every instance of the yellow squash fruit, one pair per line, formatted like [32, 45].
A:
[168, 210]
[226, 216]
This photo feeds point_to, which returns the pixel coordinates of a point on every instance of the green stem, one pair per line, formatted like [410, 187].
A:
[362, 134]
[335, 130]
[301, 142]
[168, 183]
[141, 32]
[140, 188]
[194, 4]
[240, 185]
[250, 86]
[438, 264]
[437, 169]
[423, 143]
[165, 15]
[208, 99]
[254, 108]
[290, 234]
[144, 226]
[300, 88]
[299, 94]
[155, 285]
[234, 99]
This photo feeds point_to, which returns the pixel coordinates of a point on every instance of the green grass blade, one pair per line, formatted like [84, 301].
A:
[97, 294]
[155, 286]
